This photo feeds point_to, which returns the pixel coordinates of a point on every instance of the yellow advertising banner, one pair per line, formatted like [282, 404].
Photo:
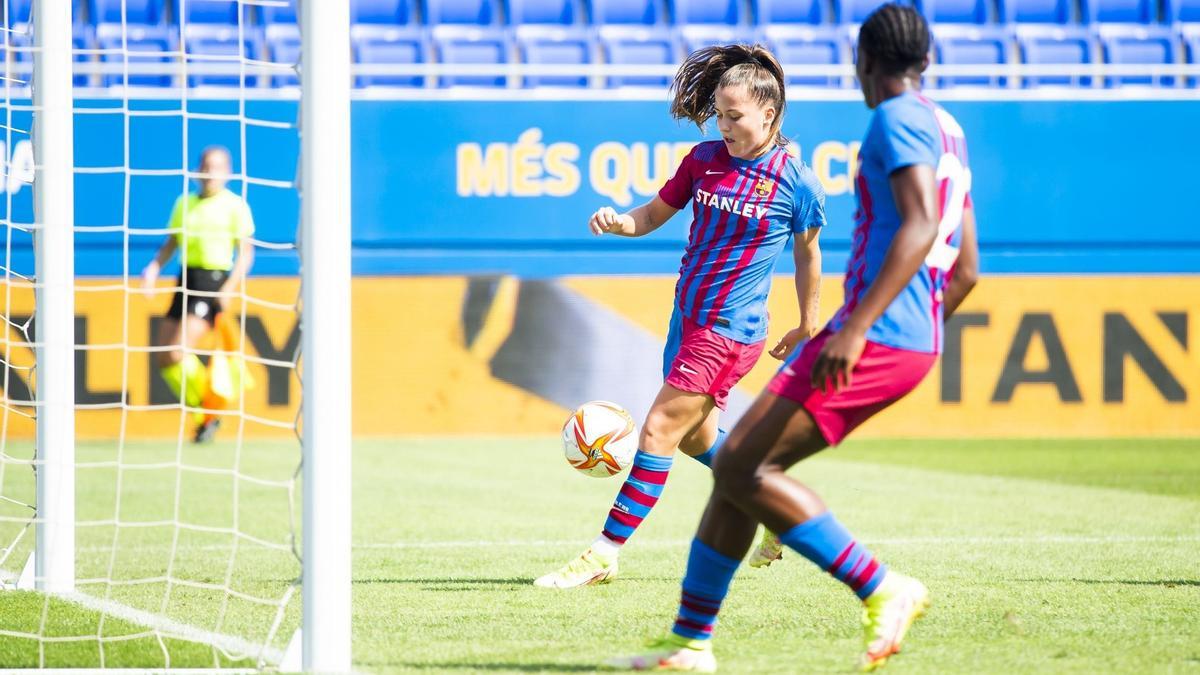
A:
[1025, 356]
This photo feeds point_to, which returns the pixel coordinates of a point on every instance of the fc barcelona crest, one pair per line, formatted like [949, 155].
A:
[763, 187]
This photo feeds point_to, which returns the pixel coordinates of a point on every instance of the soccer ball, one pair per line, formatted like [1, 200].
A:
[600, 439]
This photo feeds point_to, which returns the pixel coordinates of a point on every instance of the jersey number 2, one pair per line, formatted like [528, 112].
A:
[943, 254]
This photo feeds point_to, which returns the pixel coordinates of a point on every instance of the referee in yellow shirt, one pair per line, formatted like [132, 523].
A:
[207, 228]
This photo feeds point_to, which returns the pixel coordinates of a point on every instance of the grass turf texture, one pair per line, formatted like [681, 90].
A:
[1047, 556]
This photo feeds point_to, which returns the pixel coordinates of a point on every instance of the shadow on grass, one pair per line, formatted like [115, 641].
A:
[516, 667]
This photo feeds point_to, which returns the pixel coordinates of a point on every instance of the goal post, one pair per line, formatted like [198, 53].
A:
[325, 330]
[153, 570]
[54, 332]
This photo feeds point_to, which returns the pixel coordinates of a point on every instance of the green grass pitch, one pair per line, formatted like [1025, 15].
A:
[1042, 556]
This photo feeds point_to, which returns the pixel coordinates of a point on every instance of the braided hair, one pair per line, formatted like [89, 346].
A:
[693, 92]
[896, 37]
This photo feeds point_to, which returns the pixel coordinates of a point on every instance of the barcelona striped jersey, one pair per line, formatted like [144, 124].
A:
[744, 211]
[904, 131]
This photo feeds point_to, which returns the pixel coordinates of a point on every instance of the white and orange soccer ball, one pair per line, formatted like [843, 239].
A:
[600, 439]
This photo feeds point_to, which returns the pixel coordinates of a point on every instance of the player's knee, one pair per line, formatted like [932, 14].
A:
[169, 358]
[660, 434]
[733, 476]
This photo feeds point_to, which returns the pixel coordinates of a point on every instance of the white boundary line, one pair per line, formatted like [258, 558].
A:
[882, 541]
[114, 670]
[233, 646]
[670, 543]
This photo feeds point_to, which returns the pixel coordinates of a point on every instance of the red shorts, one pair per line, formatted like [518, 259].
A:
[882, 376]
[700, 361]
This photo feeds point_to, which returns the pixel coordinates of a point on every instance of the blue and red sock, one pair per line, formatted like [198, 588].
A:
[824, 541]
[707, 458]
[638, 495]
[704, 588]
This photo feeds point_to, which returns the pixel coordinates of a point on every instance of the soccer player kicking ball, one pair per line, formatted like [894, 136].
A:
[905, 274]
[749, 196]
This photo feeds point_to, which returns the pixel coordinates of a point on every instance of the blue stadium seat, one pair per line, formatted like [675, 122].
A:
[855, 11]
[387, 12]
[83, 37]
[625, 12]
[973, 47]
[221, 40]
[466, 12]
[811, 47]
[698, 36]
[17, 12]
[145, 44]
[778, 12]
[1058, 47]
[1183, 11]
[535, 12]
[283, 47]
[692, 12]
[280, 23]
[1036, 11]
[471, 45]
[1120, 11]
[643, 47]
[279, 14]
[956, 11]
[142, 12]
[221, 12]
[1137, 45]
[556, 46]
[397, 46]
[1191, 55]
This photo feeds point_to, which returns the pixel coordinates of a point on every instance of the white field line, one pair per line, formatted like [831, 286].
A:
[145, 670]
[884, 541]
[231, 645]
[671, 543]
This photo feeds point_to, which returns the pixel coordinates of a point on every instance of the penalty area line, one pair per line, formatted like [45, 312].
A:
[885, 541]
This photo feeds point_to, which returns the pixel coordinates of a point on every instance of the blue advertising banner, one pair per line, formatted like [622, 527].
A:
[507, 186]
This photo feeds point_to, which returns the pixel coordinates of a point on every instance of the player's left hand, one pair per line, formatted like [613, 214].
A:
[789, 342]
[834, 365]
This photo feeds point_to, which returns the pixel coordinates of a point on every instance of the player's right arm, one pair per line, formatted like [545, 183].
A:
[966, 268]
[152, 269]
[150, 273]
[636, 223]
[648, 217]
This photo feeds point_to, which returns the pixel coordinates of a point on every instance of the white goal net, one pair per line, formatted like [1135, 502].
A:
[185, 553]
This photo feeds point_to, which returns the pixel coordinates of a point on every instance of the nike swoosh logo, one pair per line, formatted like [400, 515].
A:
[685, 369]
[714, 173]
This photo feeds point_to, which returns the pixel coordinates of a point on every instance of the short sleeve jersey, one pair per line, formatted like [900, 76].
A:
[208, 229]
[743, 214]
[904, 131]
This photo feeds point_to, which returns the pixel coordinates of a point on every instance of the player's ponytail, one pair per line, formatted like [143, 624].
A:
[694, 90]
